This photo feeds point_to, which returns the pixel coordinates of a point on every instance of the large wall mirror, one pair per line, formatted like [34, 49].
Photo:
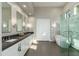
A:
[24, 23]
[6, 17]
[19, 22]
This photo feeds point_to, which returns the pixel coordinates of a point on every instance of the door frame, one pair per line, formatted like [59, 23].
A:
[49, 29]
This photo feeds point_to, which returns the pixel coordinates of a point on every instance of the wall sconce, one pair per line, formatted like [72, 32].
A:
[54, 25]
[29, 25]
[13, 22]
[24, 24]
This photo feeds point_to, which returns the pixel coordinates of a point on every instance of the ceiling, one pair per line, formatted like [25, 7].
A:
[29, 9]
[4, 4]
[49, 4]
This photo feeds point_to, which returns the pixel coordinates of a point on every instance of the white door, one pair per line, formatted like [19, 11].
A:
[43, 29]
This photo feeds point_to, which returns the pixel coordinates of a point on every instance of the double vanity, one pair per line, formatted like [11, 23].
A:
[17, 45]
[17, 30]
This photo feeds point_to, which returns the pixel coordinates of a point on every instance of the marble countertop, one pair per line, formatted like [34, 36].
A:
[6, 45]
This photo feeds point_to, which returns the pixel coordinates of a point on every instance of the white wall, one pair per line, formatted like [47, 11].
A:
[48, 12]
[0, 29]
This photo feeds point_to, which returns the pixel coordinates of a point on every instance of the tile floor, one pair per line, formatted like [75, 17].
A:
[50, 49]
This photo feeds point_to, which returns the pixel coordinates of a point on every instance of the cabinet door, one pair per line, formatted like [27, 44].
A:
[18, 49]
[12, 51]
[25, 44]
[30, 39]
[23, 48]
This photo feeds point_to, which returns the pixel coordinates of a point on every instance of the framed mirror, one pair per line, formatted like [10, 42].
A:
[19, 22]
[24, 23]
[6, 17]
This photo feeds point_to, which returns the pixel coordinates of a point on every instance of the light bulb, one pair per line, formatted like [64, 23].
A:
[29, 25]
[24, 24]
[54, 25]
[4, 25]
[24, 6]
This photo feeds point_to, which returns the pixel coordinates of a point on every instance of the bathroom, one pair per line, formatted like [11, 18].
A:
[37, 28]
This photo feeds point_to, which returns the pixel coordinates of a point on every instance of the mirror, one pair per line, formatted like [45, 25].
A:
[6, 17]
[19, 22]
[24, 23]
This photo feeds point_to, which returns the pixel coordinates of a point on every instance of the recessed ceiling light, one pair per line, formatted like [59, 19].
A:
[24, 6]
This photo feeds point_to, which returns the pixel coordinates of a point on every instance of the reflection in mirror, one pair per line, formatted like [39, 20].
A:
[6, 17]
[24, 23]
[19, 22]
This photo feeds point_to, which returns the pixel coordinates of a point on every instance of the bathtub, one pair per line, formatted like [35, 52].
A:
[62, 41]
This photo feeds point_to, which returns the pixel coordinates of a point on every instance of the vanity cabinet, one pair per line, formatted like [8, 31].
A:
[20, 48]
[11, 51]
[25, 44]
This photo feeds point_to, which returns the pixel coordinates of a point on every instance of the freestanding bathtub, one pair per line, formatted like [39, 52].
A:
[62, 41]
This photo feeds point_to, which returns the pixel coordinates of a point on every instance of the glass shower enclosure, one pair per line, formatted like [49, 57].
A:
[69, 32]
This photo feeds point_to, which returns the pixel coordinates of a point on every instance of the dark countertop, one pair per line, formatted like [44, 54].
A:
[6, 45]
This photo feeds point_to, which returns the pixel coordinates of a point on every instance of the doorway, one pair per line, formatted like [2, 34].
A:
[43, 29]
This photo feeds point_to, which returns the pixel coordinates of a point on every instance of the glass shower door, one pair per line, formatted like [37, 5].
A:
[74, 28]
[69, 32]
[64, 35]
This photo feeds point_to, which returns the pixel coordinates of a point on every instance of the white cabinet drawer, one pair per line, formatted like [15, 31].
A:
[12, 51]
[22, 46]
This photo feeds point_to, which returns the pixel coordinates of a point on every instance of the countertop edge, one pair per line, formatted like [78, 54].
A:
[3, 49]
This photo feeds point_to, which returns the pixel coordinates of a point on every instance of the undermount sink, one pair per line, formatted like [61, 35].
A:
[11, 40]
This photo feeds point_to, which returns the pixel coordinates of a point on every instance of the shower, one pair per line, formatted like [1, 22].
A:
[69, 30]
